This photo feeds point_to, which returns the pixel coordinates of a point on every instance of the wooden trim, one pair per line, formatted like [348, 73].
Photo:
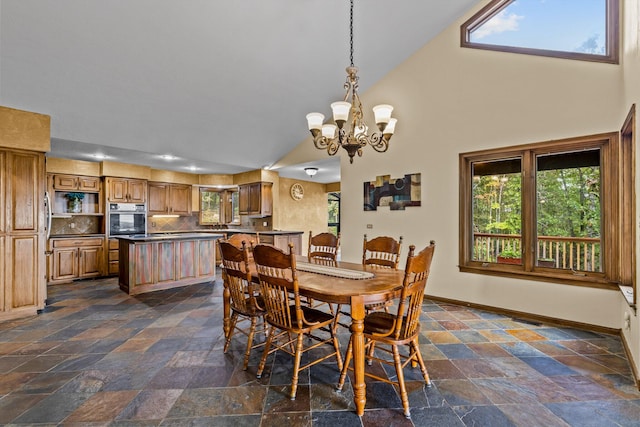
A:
[607, 144]
[496, 6]
[552, 321]
[634, 370]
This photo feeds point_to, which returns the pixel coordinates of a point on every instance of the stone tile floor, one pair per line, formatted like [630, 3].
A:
[98, 357]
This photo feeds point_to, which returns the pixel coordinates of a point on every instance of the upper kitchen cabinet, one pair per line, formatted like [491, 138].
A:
[165, 198]
[75, 194]
[256, 199]
[126, 190]
[76, 183]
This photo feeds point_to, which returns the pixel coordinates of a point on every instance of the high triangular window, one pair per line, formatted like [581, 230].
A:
[574, 29]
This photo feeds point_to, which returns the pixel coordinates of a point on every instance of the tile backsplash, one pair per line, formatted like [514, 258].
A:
[190, 223]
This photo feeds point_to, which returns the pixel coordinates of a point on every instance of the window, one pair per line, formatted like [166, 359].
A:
[334, 213]
[573, 29]
[538, 210]
[219, 206]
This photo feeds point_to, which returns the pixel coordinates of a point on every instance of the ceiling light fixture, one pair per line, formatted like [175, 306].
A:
[352, 137]
[168, 157]
[311, 171]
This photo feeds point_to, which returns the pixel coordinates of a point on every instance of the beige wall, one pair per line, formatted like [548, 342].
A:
[631, 70]
[450, 100]
[310, 213]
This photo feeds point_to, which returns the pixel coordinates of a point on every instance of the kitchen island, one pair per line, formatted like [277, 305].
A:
[278, 238]
[150, 262]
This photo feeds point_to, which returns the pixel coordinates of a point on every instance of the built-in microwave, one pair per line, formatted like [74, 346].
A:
[127, 218]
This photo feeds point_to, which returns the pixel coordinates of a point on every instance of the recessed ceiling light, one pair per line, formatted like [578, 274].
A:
[100, 156]
[168, 157]
[192, 168]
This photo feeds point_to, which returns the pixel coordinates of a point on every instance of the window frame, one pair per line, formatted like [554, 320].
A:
[226, 206]
[608, 143]
[496, 6]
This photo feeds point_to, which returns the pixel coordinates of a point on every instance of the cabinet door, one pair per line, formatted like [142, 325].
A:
[23, 272]
[25, 198]
[117, 190]
[65, 182]
[158, 200]
[266, 198]
[179, 199]
[137, 191]
[65, 264]
[89, 183]
[243, 199]
[90, 261]
[255, 198]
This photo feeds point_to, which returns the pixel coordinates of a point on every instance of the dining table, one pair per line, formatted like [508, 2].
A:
[343, 283]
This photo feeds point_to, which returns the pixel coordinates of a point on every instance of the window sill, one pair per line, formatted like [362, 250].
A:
[627, 293]
[591, 281]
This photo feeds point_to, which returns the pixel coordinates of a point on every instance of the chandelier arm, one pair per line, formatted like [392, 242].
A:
[379, 142]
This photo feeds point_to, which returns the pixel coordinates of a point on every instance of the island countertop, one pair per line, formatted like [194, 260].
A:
[169, 236]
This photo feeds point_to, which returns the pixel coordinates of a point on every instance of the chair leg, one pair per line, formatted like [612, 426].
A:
[232, 328]
[336, 346]
[403, 389]
[265, 353]
[252, 331]
[345, 366]
[423, 368]
[296, 366]
[372, 347]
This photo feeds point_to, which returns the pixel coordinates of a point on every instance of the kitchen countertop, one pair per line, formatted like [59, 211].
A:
[74, 236]
[168, 236]
[237, 231]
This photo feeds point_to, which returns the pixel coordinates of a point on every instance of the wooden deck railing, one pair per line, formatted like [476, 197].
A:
[573, 253]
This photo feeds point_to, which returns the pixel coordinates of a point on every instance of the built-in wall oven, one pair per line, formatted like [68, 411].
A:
[127, 218]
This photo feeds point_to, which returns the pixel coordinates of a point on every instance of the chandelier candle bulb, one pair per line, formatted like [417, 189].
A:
[315, 120]
[341, 111]
[382, 113]
[329, 131]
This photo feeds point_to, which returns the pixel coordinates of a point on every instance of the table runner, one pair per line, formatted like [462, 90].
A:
[327, 270]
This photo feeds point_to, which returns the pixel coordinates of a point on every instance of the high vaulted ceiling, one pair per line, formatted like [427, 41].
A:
[222, 85]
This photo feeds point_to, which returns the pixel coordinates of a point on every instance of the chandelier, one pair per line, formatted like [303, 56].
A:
[352, 131]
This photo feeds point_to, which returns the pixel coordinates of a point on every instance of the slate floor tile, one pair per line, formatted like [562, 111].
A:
[99, 357]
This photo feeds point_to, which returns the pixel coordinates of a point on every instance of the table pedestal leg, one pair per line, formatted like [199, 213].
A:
[357, 339]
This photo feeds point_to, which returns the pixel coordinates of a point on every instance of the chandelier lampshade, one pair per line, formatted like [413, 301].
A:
[350, 131]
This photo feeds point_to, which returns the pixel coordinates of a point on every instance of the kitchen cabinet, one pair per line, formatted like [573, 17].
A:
[75, 258]
[22, 242]
[126, 190]
[112, 257]
[256, 198]
[76, 183]
[165, 198]
[89, 188]
[282, 241]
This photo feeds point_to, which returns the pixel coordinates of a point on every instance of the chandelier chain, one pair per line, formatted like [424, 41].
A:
[351, 33]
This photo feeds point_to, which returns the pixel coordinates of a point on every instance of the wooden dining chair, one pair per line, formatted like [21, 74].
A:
[391, 331]
[245, 301]
[383, 252]
[290, 321]
[323, 246]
